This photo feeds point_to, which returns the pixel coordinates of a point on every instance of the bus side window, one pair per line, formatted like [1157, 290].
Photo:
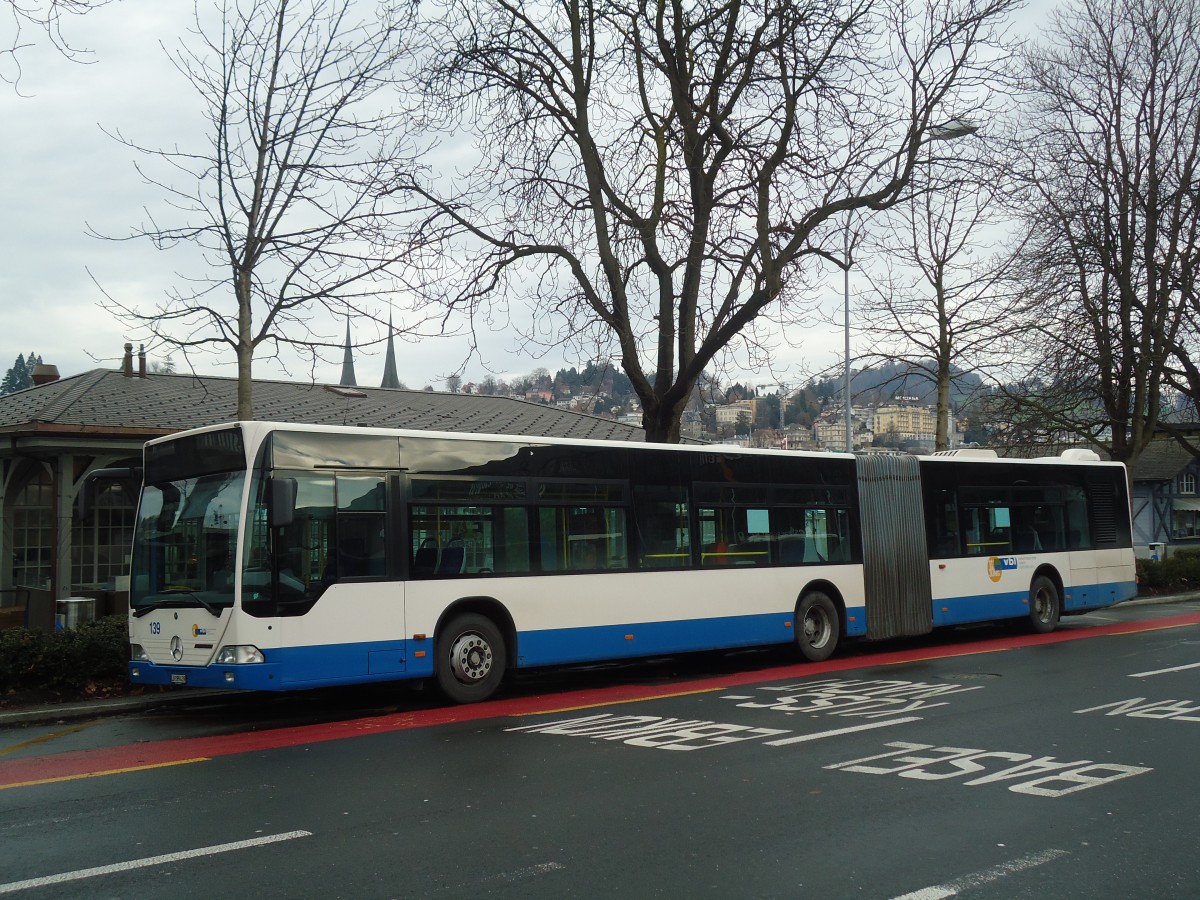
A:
[660, 516]
[1079, 535]
[946, 539]
[582, 538]
[361, 544]
[1025, 535]
[306, 544]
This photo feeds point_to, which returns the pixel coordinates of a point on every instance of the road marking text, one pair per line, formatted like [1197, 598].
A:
[926, 762]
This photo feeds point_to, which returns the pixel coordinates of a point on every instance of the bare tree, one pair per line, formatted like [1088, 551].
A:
[1112, 216]
[45, 16]
[942, 301]
[283, 204]
[659, 175]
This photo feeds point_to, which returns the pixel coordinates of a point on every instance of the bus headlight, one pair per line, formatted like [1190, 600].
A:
[239, 654]
[137, 654]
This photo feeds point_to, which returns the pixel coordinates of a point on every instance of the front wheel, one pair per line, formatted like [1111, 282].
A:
[471, 658]
[1045, 605]
[818, 627]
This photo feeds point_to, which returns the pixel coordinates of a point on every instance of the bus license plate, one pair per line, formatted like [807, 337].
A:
[178, 679]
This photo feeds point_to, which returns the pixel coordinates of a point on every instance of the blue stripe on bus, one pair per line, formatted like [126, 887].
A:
[1095, 596]
[557, 646]
[335, 664]
[1013, 604]
[979, 608]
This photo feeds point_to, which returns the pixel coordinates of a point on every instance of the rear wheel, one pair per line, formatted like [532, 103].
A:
[471, 658]
[817, 626]
[1045, 605]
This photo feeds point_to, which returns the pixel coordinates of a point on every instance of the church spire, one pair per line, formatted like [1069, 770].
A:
[390, 378]
[348, 361]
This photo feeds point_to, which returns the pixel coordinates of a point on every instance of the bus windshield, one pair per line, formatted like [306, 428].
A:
[185, 543]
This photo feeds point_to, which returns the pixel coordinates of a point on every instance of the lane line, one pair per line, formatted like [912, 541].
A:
[800, 739]
[78, 775]
[1165, 671]
[565, 709]
[80, 874]
[985, 876]
[46, 738]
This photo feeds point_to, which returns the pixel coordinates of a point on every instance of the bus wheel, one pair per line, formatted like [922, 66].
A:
[470, 658]
[1045, 606]
[817, 626]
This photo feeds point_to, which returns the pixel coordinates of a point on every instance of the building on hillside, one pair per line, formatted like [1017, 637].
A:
[829, 430]
[730, 413]
[906, 424]
[60, 430]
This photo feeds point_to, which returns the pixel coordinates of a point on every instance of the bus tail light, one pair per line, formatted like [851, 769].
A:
[239, 654]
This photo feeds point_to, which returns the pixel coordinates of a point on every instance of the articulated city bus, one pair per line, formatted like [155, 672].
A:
[278, 557]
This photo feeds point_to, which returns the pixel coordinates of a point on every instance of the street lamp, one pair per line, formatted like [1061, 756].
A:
[946, 131]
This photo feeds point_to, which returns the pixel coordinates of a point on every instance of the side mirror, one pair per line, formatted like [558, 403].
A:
[283, 502]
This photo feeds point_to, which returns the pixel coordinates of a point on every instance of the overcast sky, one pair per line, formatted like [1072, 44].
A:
[59, 174]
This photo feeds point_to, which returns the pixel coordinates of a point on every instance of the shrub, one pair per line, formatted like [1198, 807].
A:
[1178, 572]
[64, 662]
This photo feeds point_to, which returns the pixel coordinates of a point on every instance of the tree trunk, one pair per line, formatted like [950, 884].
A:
[245, 349]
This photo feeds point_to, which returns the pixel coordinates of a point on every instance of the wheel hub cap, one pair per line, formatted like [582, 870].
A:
[470, 658]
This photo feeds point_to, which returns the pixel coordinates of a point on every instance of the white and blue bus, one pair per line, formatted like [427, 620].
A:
[276, 557]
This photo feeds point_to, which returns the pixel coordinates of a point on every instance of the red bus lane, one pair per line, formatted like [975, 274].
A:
[51, 768]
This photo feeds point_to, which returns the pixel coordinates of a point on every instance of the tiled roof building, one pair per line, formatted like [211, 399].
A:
[54, 434]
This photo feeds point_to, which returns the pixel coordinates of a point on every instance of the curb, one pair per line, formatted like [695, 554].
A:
[1165, 598]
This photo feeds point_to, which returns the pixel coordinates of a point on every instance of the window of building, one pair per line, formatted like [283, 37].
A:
[33, 532]
[100, 546]
[1185, 523]
[1187, 483]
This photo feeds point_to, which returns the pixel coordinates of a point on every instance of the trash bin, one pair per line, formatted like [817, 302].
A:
[75, 611]
[1156, 550]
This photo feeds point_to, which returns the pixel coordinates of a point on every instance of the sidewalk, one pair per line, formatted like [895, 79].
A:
[116, 706]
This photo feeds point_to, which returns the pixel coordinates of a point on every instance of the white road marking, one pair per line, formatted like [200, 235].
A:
[13, 887]
[836, 731]
[1165, 671]
[986, 876]
[526, 873]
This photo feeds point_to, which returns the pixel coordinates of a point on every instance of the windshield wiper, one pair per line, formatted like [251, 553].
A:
[182, 597]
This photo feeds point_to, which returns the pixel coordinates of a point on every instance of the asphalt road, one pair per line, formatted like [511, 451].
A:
[980, 764]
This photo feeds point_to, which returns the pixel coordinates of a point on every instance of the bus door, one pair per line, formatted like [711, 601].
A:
[895, 557]
[342, 609]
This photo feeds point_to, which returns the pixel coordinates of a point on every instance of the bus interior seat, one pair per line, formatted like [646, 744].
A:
[425, 562]
[833, 548]
[791, 549]
[453, 556]
[1026, 540]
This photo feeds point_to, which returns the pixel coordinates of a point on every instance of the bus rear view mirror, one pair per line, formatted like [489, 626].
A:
[283, 501]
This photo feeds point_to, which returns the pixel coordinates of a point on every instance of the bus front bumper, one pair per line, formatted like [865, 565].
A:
[249, 677]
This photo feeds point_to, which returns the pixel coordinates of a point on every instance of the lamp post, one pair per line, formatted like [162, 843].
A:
[846, 297]
[947, 131]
